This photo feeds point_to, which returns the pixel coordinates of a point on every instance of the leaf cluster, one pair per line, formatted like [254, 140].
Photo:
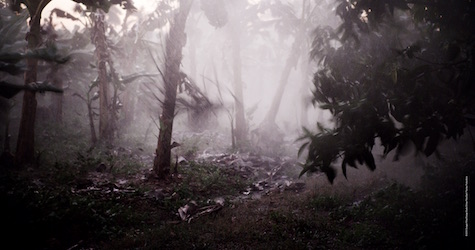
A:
[12, 59]
[402, 79]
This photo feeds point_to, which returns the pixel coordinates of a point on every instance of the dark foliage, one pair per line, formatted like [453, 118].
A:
[397, 72]
[15, 5]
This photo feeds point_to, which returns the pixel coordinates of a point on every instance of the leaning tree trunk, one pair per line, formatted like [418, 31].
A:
[25, 152]
[291, 62]
[99, 40]
[174, 45]
[284, 77]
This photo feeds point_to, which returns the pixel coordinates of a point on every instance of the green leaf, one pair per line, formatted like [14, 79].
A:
[302, 148]
[369, 160]
[330, 173]
[343, 168]
[131, 78]
[305, 169]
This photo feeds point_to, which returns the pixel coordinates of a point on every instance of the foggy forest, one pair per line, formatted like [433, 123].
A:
[236, 124]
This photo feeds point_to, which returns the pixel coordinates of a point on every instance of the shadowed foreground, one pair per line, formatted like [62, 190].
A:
[79, 206]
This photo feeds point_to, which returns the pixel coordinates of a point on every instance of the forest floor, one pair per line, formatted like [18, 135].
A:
[109, 200]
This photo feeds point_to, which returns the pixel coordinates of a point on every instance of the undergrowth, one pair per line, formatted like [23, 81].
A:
[56, 207]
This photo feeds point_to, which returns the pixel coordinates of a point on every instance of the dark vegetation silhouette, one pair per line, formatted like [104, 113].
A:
[178, 125]
[25, 153]
[172, 78]
[398, 73]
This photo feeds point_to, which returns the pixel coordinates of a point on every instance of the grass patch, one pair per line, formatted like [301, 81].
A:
[202, 182]
[51, 208]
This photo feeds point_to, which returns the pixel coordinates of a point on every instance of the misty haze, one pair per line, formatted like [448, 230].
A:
[236, 124]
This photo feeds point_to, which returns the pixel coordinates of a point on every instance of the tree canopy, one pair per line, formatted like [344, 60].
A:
[397, 72]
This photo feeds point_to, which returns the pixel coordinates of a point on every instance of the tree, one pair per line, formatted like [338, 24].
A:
[53, 75]
[239, 131]
[13, 29]
[136, 51]
[25, 144]
[98, 38]
[397, 72]
[232, 15]
[175, 42]
[301, 25]
[26, 136]
[294, 21]
[110, 50]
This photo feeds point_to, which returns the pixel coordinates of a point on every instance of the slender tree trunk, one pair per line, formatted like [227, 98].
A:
[6, 142]
[114, 106]
[174, 45]
[291, 62]
[129, 94]
[102, 55]
[90, 115]
[25, 152]
[240, 129]
[57, 99]
[129, 102]
[304, 90]
[193, 38]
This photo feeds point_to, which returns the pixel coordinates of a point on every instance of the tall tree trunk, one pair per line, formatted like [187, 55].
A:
[57, 99]
[175, 42]
[6, 142]
[290, 63]
[90, 115]
[129, 95]
[240, 128]
[194, 38]
[129, 101]
[25, 152]
[102, 55]
[114, 106]
[304, 89]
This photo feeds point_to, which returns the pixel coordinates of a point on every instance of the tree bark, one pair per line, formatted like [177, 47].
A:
[102, 55]
[240, 128]
[90, 115]
[25, 152]
[174, 45]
